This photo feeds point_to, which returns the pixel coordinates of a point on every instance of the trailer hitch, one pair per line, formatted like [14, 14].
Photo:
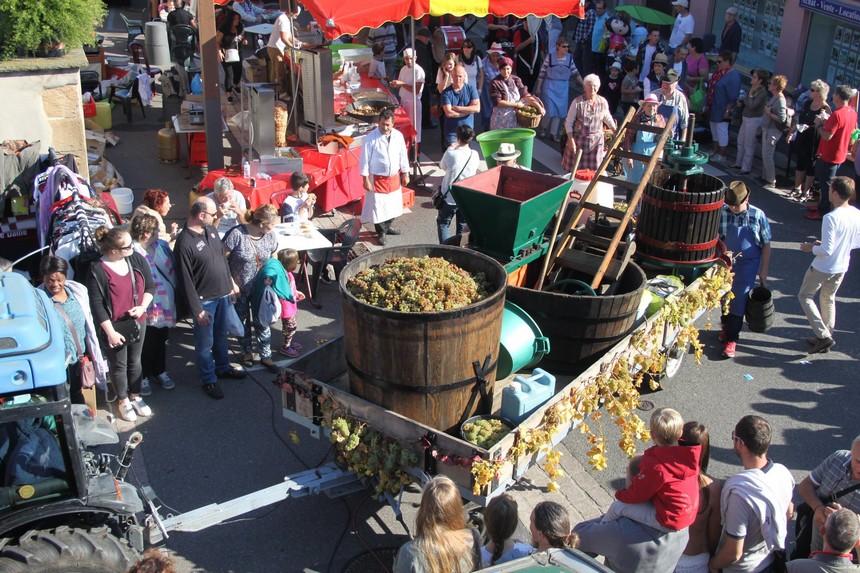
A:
[127, 454]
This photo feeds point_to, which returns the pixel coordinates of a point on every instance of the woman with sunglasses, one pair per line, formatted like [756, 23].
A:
[471, 60]
[121, 288]
[553, 87]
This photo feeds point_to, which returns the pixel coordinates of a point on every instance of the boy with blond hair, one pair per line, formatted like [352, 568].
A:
[663, 492]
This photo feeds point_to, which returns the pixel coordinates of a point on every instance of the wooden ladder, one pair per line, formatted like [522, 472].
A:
[598, 257]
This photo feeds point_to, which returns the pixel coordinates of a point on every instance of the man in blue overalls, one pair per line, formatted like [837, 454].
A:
[746, 232]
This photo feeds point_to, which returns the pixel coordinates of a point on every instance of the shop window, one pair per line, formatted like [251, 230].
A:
[761, 24]
[834, 56]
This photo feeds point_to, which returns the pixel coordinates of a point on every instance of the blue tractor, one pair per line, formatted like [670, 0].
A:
[64, 505]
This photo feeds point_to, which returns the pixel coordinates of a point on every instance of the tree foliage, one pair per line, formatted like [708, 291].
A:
[28, 24]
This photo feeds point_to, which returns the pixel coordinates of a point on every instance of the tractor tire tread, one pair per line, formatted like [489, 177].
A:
[66, 550]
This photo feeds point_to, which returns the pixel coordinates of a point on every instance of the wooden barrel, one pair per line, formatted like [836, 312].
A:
[421, 365]
[582, 327]
[677, 226]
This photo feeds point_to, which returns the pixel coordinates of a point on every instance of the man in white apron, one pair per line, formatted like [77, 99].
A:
[385, 170]
[409, 72]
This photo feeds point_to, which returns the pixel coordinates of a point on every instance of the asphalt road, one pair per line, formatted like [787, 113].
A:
[198, 451]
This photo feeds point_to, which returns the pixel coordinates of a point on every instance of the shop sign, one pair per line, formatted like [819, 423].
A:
[834, 9]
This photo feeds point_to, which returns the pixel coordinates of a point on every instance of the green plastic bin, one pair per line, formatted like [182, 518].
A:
[522, 344]
[508, 210]
[522, 138]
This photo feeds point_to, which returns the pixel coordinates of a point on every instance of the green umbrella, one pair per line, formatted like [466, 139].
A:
[647, 15]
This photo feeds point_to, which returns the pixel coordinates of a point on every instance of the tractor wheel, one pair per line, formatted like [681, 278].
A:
[68, 550]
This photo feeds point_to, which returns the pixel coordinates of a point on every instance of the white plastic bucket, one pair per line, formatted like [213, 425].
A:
[604, 193]
[124, 198]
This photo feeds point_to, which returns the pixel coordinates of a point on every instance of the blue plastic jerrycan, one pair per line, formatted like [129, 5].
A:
[526, 394]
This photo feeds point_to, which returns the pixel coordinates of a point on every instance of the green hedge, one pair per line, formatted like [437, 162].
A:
[27, 25]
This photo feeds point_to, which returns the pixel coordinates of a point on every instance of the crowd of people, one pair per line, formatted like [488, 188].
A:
[671, 516]
[229, 278]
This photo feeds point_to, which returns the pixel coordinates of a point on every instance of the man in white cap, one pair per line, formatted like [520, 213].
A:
[411, 80]
[385, 170]
[682, 31]
[730, 39]
[507, 155]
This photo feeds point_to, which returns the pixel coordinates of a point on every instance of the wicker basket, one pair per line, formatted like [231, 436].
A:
[528, 121]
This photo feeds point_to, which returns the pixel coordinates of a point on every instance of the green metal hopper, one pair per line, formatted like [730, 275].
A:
[508, 210]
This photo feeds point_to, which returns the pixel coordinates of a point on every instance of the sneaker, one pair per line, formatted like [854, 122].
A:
[392, 231]
[141, 408]
[166, 381]
[213, 391]
[145, 388]
[296, 345]
[729, 349]
[270, 365]
[232, 373]
[821, 345]
[290, 351]
[126, 412]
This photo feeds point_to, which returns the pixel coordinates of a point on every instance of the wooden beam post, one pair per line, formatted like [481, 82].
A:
[211, 85]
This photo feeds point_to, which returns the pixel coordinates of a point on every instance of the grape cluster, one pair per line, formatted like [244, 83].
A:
[418, 284]
[485, 432]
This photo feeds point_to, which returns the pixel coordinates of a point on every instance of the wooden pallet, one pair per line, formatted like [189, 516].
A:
[597, 256]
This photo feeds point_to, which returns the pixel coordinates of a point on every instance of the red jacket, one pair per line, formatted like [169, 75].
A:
[669, 477]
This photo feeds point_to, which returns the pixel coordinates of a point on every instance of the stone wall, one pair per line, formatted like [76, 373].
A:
[41, 101]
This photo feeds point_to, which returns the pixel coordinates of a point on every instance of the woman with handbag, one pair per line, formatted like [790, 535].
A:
[121, 288]
[161, 315]
[458, 162]
[86, 365]
[228, 37]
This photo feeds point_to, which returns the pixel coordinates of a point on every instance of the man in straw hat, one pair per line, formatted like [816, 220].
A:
[746, 233]
[507, 155]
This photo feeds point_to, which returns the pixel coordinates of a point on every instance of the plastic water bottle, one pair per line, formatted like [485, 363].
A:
[246, 169]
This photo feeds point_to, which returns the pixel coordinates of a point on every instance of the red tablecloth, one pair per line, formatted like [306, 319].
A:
[335, 179]
[256, 196]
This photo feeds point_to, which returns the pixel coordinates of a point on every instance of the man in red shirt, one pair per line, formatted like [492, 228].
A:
[835, 133]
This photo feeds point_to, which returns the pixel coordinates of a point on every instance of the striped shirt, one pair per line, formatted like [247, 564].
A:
[753, 218]
[833, 475]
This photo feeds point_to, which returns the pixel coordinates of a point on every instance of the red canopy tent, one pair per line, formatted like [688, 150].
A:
[337, 17]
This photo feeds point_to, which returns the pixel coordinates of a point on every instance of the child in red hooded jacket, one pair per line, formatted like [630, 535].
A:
[663, 492]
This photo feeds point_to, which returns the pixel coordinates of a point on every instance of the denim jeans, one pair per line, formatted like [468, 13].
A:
[443, 221]
[249, 319]
[210, 340]
[824, 174]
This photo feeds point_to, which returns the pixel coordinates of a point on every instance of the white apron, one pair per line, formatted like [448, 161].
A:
[381, 207]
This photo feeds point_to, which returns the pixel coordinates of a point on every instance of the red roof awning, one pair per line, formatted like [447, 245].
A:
[337, 17]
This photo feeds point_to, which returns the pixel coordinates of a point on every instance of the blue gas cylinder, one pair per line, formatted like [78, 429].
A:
[526, 394]
[197, 85]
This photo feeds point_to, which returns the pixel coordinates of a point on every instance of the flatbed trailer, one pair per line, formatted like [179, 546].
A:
[321, 376]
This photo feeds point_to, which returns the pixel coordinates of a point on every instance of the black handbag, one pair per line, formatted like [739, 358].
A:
[128, 326]
[438, 197]
[805, 521]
